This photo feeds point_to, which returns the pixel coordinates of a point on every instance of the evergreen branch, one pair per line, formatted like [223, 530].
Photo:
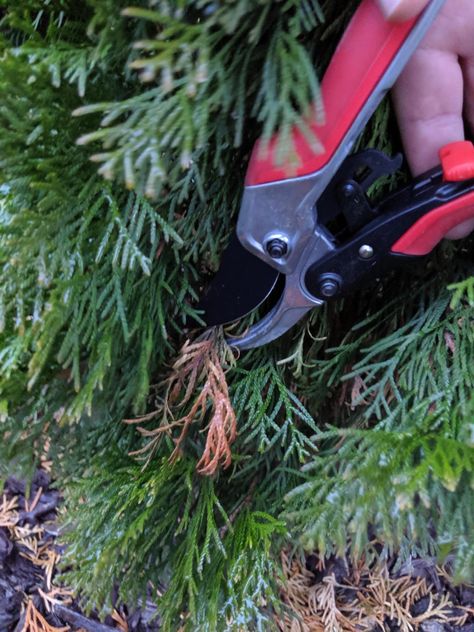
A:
[216, 579]
[394, 482]
[274, 418]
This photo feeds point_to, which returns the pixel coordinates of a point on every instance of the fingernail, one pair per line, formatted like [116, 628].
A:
[389, 7]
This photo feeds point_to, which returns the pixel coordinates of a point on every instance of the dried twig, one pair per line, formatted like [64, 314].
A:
[201, 362]
[35, 622]
[56, 596]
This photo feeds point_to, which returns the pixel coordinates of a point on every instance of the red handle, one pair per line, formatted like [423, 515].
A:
[457, 162]
[364, 54]
[428, 231]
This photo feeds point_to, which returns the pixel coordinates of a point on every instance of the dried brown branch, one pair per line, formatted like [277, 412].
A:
[35, 622]
[314, 605]
[55, 597]
[203, 362]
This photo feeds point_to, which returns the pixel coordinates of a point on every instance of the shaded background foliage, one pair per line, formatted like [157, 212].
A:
[360, 417]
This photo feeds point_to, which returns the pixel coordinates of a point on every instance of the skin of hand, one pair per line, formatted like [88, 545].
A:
[436, 88]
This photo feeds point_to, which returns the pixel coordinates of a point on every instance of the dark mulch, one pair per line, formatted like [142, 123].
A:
[30, 599]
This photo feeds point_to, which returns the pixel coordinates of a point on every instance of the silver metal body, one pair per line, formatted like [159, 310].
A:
[288, 209]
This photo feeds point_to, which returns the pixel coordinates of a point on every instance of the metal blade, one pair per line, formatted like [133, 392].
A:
[242, 283]
[294, 303]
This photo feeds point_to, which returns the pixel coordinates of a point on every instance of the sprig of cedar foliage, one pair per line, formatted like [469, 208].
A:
[205, 91]
[220, 566]
[96, 283]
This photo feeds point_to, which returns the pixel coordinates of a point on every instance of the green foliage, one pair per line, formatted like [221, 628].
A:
[361, 417]
[414, 464]
[462, 291]
[425, 360]
[393, 482]
[167, 522]
[273, 417]
[204, 90]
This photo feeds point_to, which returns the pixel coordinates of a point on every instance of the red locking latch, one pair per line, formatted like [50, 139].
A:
[457, 160]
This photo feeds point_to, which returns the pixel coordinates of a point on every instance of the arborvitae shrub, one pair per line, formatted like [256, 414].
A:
[124, 138]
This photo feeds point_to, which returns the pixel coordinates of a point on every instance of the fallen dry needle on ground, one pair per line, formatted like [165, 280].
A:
[339, 596]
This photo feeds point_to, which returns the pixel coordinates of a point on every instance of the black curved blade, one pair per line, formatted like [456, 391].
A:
[241, 284]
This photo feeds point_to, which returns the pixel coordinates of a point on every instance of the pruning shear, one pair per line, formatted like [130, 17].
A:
[310, 233]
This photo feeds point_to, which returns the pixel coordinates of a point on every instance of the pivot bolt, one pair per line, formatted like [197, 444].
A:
[329, 288]
[366, 252]
[277, 248]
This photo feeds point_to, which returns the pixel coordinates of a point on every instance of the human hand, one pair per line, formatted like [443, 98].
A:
[436, 86]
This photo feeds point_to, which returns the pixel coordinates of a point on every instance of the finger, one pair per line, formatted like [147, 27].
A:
[464, 11]
[428, 99]
[468, 72]
[400, 10]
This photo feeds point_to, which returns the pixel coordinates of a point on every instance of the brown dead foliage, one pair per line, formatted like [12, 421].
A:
[29, 557]
[8, 512]
[35, 622]
[42, 554]
[365, 599]
[196, 389]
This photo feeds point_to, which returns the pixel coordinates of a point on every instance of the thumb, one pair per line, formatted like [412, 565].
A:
[400, 10]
